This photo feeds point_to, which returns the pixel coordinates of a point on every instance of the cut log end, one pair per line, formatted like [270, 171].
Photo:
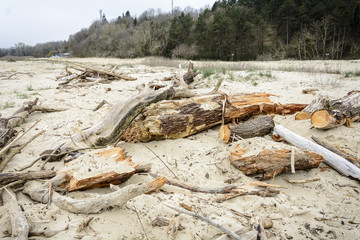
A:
[224, 133]
[320, 119]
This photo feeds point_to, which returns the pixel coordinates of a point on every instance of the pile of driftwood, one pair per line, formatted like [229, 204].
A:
[162, 111]
[82, 76]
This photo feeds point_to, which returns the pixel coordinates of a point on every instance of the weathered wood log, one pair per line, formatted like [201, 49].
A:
[337, 162]
[338, 112]
[98, 169]
[19, 224]
[180, 118]
[272, 162]
[234, 190]
[253, 128]
[7, 125]
[8, 177]
[40, 193]
[351, 158]
[115, 75]
[112, 126]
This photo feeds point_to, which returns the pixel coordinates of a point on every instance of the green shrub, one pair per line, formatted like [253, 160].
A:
[206, 72]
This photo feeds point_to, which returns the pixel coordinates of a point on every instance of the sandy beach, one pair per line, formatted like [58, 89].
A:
[324, 209]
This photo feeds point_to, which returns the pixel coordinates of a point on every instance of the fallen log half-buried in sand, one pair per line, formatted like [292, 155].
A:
[272, 162]
[98, 169]
[180, 118]
[252, 128]
[40, 192]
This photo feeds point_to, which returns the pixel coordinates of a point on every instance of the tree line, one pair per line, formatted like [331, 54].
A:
[230, 30]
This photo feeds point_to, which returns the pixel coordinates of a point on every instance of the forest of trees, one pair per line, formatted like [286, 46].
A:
[229, 30]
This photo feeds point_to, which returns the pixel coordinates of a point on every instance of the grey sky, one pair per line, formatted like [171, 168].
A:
[38, 21]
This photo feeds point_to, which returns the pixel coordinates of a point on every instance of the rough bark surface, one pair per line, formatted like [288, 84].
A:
[315, 105]
[180, 118]
[253, 128]
[272, 162]
[338, 112]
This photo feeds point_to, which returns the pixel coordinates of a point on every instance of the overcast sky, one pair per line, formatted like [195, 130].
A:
[39, 21]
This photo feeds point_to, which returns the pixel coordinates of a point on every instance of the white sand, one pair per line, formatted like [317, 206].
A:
[317, 210]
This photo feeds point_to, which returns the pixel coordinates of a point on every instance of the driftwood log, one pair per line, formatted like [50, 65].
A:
[118, 119]
[40, 193]
[7, 125]
[272, 162]
[337, 162]
[8, 177]
[180, 118]
[353, 159]
[19, 224]
[252, 128]
[113, 125]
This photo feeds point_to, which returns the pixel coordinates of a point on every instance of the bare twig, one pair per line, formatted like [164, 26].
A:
[207, 220]
[48, 158]
[54, 155]
[142, 226]
[18, 150]
[303, 180]
[100, 105]
[161, 161]
[7, 147]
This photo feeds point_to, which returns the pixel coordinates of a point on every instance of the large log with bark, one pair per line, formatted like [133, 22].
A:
[337, 162]
[338, 112]
[180, 118]
[253, 128]
[272, 162]
[315, 105]
[325, 113]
